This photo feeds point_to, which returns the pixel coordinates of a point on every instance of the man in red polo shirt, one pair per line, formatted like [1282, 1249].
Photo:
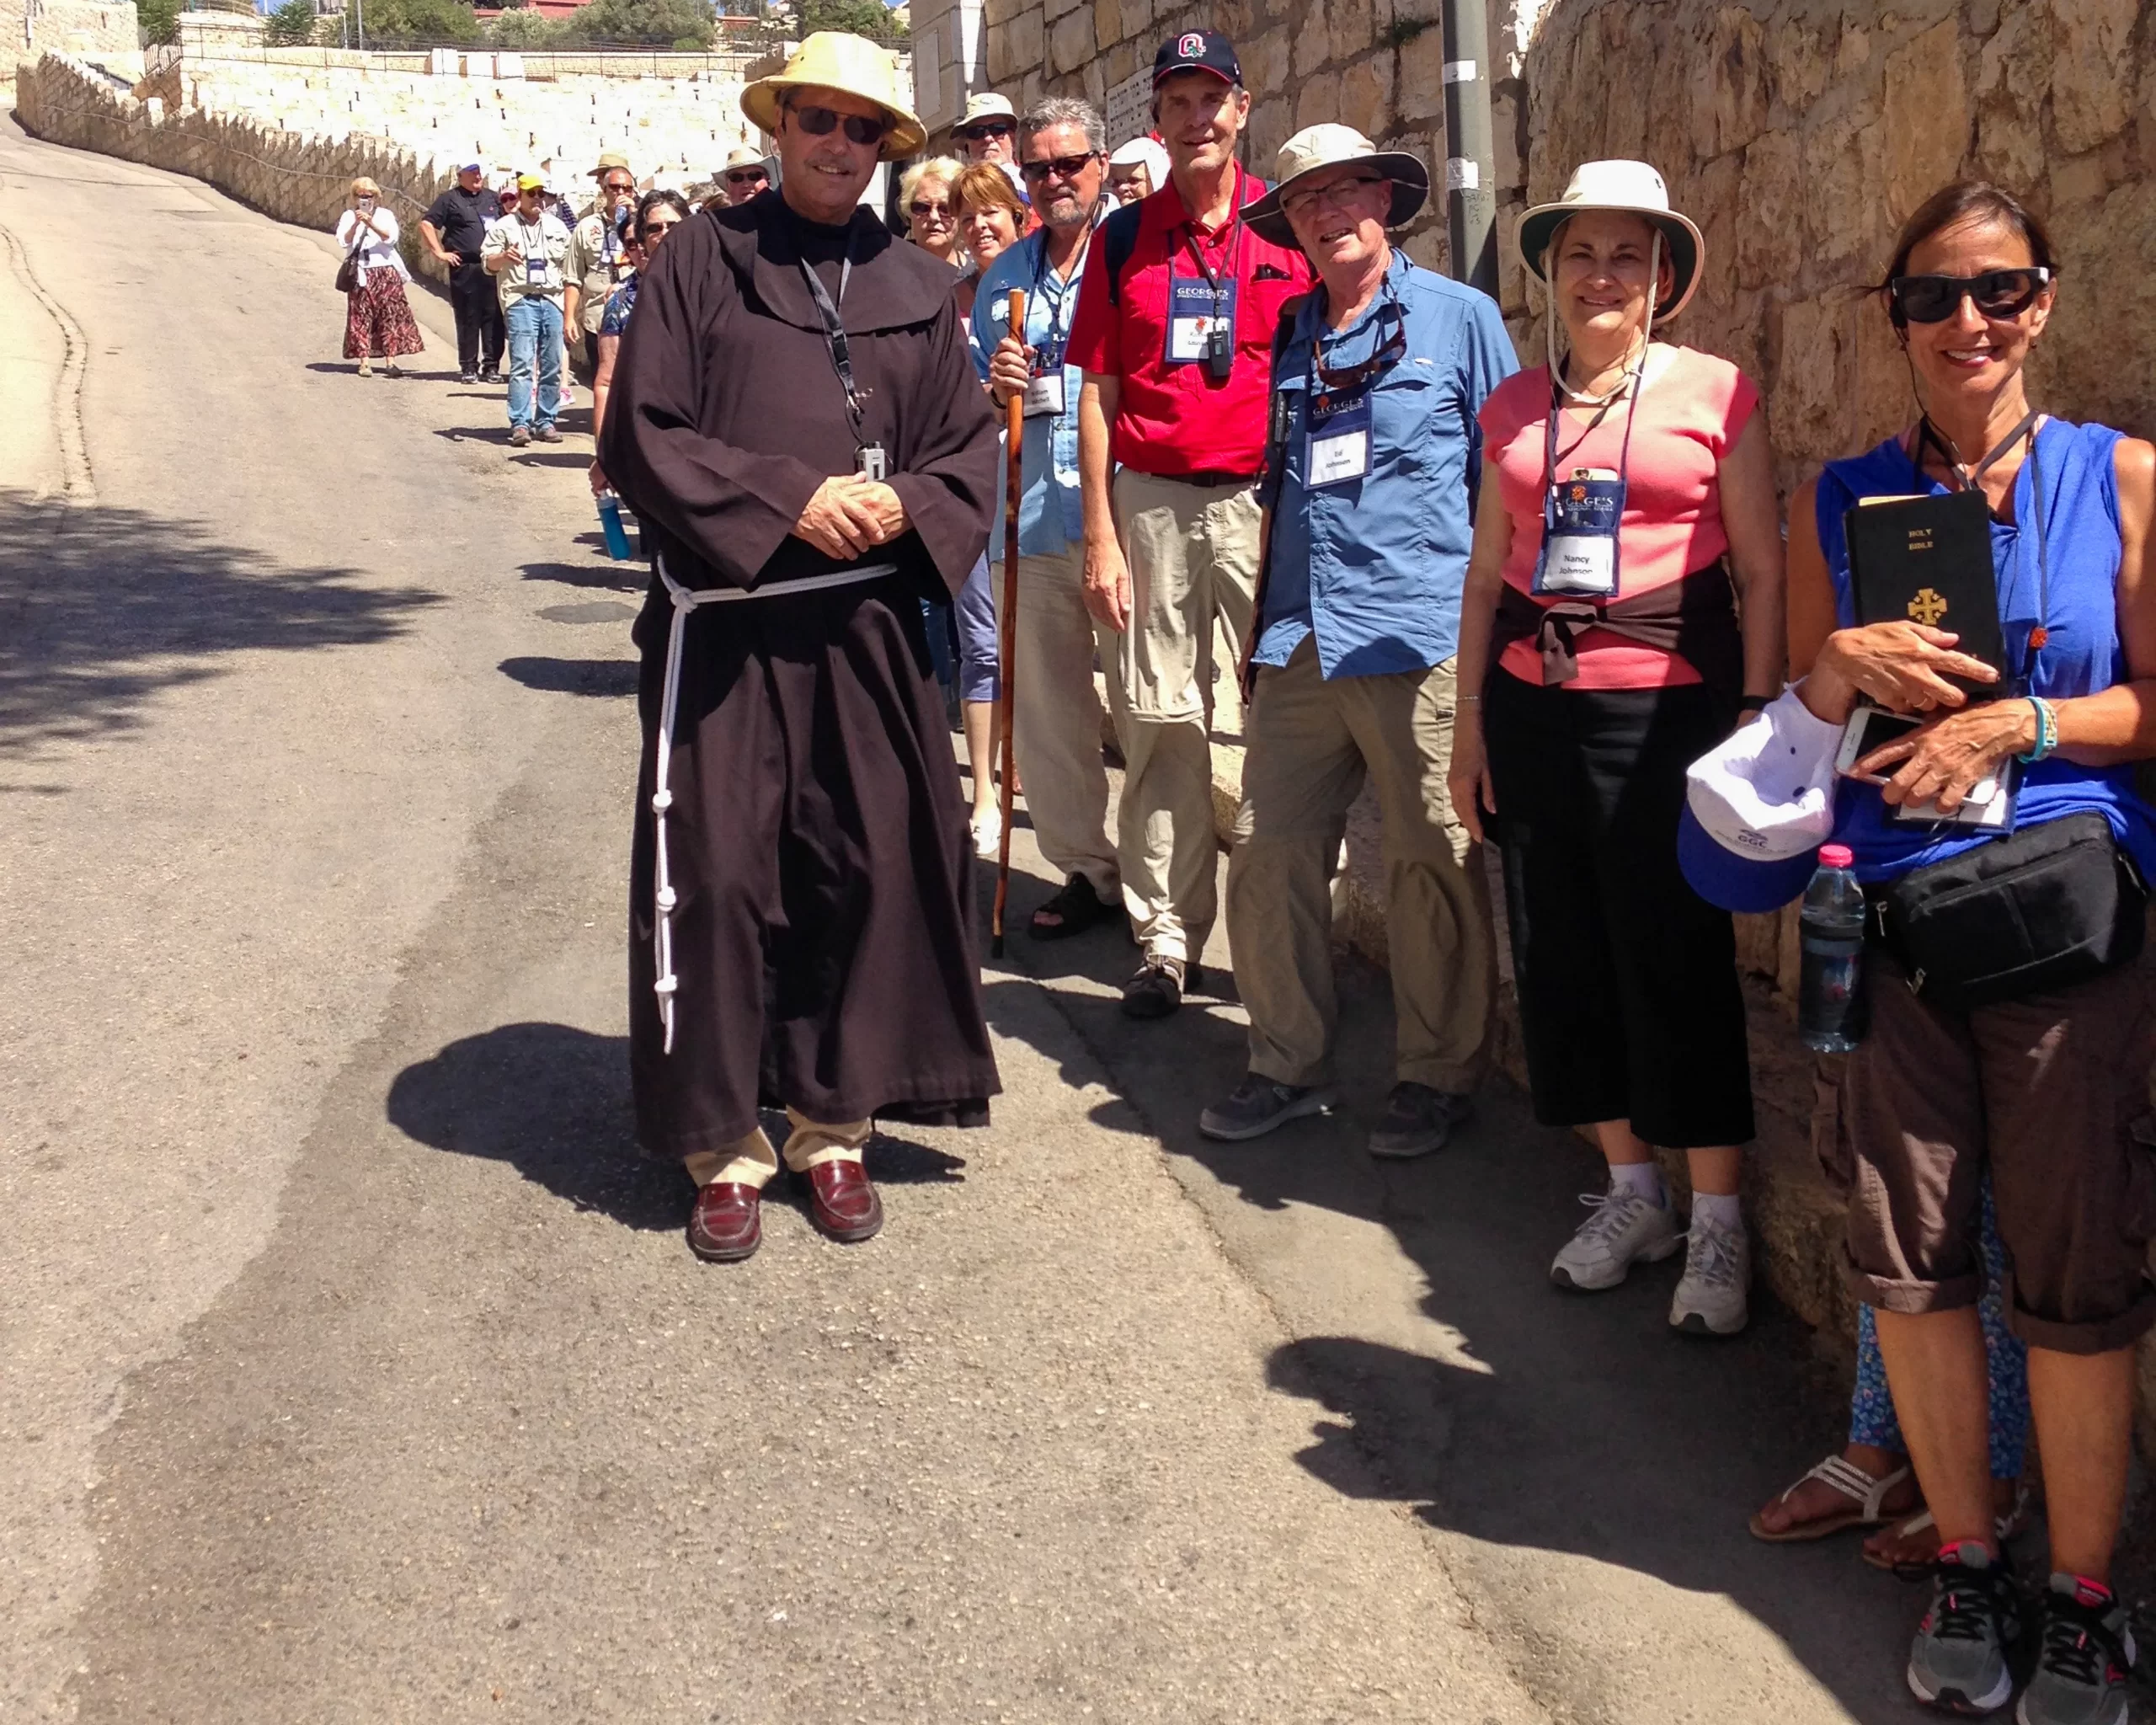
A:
[1174, 332]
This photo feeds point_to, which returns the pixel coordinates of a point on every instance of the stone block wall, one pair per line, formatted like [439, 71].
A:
[105, 31]
[1800, 135]
[1375, 65]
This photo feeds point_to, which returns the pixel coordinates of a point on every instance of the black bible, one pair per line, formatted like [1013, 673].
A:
[1928, 560]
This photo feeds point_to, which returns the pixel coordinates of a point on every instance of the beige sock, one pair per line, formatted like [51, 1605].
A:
[809, 1143]
[747, 1161]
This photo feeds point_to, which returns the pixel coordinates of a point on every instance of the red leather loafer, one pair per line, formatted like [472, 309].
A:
[844, 1204]
[728, 1223]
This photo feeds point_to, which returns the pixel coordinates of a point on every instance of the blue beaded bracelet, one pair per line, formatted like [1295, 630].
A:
[2046, 731]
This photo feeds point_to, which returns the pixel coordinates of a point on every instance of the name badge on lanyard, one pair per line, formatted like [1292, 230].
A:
[1202, 325]
[1580, 520]
[1045, 388]
[1337, 440]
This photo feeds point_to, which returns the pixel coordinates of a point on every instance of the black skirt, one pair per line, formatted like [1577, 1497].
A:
[1629, 998]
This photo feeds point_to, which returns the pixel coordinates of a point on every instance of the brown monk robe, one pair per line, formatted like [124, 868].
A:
[817, 950]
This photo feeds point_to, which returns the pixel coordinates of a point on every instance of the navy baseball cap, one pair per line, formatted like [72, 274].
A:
[1729, 882]
[1197, 50]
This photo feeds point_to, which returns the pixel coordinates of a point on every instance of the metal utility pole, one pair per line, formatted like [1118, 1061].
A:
[1471, 198]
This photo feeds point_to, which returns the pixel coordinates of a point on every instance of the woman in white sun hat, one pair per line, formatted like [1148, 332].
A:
[1628, 501]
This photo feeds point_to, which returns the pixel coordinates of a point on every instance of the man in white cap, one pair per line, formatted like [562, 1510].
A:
[1372, 463]
[1137, 170]
[744, 175]
[988, 131]
[796, 419]
[598, 258]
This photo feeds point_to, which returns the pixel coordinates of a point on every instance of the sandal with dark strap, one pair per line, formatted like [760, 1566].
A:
[1077, 905]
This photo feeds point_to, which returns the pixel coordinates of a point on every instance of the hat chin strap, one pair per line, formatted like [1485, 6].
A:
[1636, 372]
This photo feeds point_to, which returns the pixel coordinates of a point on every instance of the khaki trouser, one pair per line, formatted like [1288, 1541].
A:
[1056, 716]
[1309, 745]
[752, 1162]
[1192, 552]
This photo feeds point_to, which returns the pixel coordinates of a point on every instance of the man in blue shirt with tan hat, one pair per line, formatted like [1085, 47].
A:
[1373, 461]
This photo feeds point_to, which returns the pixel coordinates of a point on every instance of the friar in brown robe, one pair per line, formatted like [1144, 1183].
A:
[800, 911]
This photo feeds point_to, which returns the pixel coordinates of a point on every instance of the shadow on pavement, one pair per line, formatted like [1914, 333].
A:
[612, 577]
[551, 1101]
[573, 677]
[103, 607]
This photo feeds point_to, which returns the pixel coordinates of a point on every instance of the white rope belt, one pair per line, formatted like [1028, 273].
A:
[686, 600]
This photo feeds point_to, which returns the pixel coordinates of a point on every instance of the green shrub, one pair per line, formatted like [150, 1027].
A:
[291, 25]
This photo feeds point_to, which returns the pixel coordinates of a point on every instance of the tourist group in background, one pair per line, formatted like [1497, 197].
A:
[1558, 612]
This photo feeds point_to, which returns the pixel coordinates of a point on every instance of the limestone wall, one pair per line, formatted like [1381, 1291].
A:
[1800, 133]
[1375, 65]
[286, 175]
[103, 31]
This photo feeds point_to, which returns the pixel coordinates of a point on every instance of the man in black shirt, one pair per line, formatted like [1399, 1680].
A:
[454, 228]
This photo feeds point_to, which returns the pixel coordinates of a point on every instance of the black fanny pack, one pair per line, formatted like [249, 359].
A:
[2041, 909]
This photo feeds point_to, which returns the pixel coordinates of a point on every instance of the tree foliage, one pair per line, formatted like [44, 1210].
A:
[159, 20]
[523, 28]
[864, 18]
[657, 24]
[291, 25]
[417, 21]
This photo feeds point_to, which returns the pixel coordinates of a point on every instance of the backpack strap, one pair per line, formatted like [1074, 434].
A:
[1119, 240]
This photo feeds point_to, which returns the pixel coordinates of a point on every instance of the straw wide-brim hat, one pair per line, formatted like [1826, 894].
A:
[1316, 148]
[1637, 189]
[837, 60]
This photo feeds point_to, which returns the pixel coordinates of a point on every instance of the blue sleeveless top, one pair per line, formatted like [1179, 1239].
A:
[2082, 655]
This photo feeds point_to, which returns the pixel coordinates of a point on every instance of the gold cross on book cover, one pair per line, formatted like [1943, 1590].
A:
[1928, 560]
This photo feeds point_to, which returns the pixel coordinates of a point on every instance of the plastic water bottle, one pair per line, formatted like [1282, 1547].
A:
[610, 524]
[1830, 997]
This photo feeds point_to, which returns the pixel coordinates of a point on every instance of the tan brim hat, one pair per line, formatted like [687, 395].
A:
[1316, 148]
[1634, 188]
[837, 60]
[744, 156]
[608, 163]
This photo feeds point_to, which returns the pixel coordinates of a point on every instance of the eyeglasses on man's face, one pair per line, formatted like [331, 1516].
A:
[860, 129]
[1058, 168]
[620, 188]
[989, 129]
[657, 230]
[1342, 193]
[745, 176]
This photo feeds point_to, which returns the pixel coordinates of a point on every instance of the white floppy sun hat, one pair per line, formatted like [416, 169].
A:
[1320, 147]
[1635, 189]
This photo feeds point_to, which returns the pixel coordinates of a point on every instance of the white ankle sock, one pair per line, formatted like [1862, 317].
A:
[1724, 1212]
[1642, 1177]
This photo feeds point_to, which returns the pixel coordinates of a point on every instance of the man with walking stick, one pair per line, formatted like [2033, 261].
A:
[1054, 728]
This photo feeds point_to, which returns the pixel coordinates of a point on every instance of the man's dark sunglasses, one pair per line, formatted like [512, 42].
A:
[656, 230]
[821, 122]
[742, 176]
[1062, 168]
[1998, 293]
[987, 129]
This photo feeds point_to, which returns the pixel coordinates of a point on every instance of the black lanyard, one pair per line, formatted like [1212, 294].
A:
[1055, 324]
[1233, 248]
[1550, 455]
[1927, 433]
[834, 334]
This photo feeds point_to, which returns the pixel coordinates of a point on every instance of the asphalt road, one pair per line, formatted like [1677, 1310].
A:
[354, 1369]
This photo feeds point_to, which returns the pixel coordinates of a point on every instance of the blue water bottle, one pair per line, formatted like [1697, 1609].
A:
[610, 524]
[1830, 1014]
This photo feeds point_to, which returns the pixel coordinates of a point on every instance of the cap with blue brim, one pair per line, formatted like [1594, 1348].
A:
[1729, 882]
[1757, 806]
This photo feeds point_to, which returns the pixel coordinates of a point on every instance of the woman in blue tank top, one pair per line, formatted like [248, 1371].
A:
[2047, 1094]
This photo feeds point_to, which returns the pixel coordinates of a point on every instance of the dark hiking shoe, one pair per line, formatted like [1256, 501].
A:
[1075, 909]
[467, 378]
[2087, 1649]
[1418, 1120]
[490, 374]
[1957, 1661]
[1257, 1105]
[1157, 989]
[519, 435]
[547, 434]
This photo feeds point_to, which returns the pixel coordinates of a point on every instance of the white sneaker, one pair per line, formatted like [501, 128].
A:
[1709, 1300]
[1624, 1229]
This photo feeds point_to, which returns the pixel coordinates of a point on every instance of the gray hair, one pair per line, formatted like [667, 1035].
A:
[1065, 110]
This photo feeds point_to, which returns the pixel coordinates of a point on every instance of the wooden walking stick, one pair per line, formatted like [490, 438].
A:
[1014, 428]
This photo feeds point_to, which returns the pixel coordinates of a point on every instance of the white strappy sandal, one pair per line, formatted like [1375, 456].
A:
[1865, 1494]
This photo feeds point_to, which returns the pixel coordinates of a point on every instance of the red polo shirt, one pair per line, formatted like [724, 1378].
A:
[1176, 420]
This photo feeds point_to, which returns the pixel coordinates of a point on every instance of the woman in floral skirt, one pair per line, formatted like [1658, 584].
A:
[377, 318]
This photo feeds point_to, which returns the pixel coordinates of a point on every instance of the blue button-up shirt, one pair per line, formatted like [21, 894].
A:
[1374, 567]
[1050, 520]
